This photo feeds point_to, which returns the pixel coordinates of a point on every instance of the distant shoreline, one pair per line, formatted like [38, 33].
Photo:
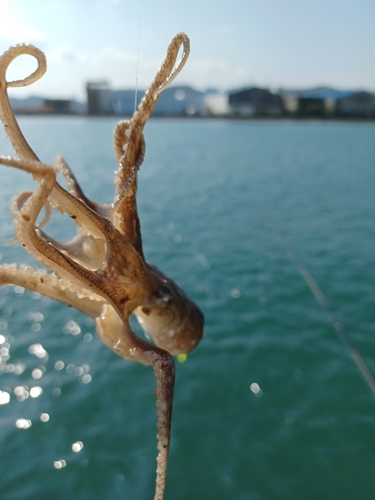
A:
[201, 117]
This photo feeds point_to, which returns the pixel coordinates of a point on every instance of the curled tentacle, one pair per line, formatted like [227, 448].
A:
[165, 76]
[129, 137]
[20, 145]
[181, 39]
[58, 196]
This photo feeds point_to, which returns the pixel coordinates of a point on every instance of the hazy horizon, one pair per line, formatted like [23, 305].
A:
[140, 91]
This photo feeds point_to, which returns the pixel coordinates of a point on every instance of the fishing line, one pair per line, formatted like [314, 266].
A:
[323, 301]
[137, 70]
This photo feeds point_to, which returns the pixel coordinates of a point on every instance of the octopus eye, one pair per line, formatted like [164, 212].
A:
[165, 293]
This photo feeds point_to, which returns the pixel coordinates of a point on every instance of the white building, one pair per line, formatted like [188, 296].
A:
[216, 104]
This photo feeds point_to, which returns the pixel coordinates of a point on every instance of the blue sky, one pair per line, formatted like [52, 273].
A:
[273, 43]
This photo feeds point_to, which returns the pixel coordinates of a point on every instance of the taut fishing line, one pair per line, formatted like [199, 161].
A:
[323, 301]
[137, 70]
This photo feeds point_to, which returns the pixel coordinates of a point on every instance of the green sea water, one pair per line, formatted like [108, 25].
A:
[270, 406]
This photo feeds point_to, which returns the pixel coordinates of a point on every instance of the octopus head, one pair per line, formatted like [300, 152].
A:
[169, 317]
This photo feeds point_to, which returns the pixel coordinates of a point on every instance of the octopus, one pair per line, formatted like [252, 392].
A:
[102, 271]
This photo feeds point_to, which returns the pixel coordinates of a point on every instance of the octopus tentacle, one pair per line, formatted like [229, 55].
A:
[58, 196]
[121, 136]
[128, 131]
[85, 249]
[165, 76]
[124, 215]
[75, 275]
[134, 128]
[130, 145]
[119, 337]
[76, 190]
[38, 280]
[26, 215]
[20, 200]
[20, 145]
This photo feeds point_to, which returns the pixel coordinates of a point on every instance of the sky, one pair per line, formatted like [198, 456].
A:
[234, 43]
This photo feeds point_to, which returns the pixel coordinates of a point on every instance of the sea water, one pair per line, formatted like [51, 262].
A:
[270, 405]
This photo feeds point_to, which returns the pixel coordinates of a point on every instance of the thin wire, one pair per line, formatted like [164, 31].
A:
[323, 301]
[137, 70]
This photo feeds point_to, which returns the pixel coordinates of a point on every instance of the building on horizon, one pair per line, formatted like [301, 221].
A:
[255, 101]
[58, 107]
[99, 98]
[356, 105]
[216, 104]
[179, 100]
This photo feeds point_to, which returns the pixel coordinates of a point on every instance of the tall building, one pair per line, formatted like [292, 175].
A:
[99, 98]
